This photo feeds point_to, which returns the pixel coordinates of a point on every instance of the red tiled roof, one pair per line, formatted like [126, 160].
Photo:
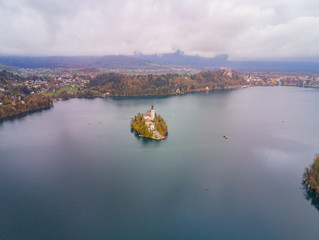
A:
[147, 114]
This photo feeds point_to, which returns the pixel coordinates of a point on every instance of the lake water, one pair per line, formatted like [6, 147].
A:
[76, 171]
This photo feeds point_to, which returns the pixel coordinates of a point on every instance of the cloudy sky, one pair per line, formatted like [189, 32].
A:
[243, 29]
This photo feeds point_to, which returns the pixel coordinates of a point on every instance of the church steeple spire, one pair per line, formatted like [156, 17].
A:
[152, 112]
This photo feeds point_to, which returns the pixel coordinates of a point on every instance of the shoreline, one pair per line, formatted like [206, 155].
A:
[137, 96]
[131, 96]
[137, 134]
[311, 175]
[17, 114]
[12, 115]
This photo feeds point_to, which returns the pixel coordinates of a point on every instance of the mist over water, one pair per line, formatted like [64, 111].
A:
[77, 171]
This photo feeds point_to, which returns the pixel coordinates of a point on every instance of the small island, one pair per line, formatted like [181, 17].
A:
[311, 175]
[150, 125]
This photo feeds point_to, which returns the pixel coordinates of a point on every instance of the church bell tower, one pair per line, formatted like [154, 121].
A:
[152, 113]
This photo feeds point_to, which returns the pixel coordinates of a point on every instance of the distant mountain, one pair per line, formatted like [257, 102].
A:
[275, 66]
[130, 62]
[110, 62]
[113, 62]
[202, 63]
[46, 62]
[179, 58]
[154, 62]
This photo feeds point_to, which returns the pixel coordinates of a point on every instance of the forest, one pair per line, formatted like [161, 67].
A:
[311, 175]
[20, 94]
[117, 84]
[20, 105]
[16, 98]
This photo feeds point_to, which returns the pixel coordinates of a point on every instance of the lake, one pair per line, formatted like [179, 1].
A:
[76, 171]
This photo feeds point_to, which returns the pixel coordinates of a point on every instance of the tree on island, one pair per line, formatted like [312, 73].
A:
[161, 125]
[311, 175]
[138, 123]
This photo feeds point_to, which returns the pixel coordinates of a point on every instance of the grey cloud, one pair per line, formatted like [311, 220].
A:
[243, 29]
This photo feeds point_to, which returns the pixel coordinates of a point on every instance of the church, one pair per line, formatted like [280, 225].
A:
[149, 117]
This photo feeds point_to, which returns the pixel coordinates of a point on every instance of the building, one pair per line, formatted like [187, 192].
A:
[227, 71]
[149, 117]
[152, 113]
[152, 127]
[149, 125]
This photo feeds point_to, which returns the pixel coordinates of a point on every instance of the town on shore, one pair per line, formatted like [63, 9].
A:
[26, 90]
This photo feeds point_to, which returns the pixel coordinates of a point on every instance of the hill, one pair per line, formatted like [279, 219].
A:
[116, 84]
[6, 78]
[75, 62]
[179, 58]
[164, 62]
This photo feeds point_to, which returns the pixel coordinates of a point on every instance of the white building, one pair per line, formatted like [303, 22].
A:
[147, 115]
[149, 125]
[152, 113]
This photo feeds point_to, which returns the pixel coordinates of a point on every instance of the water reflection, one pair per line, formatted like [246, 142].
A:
[21, 116]
[310, 194]
[58, 174]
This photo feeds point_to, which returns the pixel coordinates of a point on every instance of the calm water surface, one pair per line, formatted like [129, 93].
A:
[77, 171]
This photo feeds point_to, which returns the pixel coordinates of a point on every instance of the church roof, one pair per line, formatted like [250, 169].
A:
[147, 114]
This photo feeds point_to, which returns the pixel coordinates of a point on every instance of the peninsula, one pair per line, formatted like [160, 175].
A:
[150, 125]
[36, 89]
